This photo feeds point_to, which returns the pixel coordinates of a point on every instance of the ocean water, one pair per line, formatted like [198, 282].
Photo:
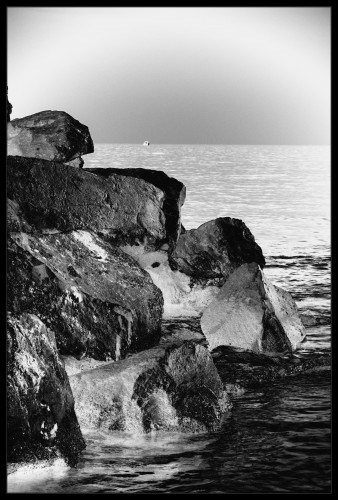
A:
[277, 439]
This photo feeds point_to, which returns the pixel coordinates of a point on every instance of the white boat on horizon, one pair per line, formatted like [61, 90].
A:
[146, 143]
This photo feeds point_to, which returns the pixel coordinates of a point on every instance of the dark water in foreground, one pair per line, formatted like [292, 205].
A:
[274, 440]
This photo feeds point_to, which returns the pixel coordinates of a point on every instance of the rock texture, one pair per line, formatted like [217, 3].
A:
[215, 249]
[41, 422]
[251, 313]
[174, 195]
[51, 135]
[174, 386]
[123, 210]
[97, 299]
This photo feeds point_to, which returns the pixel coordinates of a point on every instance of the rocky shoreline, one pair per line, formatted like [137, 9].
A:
[100, 272]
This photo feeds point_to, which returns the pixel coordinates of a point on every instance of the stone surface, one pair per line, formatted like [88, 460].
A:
[41, 422]
[51, 195]
[174, 191]
[172, 387]
[51, 135]
[96, 298]
[215, 249]
[251, 313]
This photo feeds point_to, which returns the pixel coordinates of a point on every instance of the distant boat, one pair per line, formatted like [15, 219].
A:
[146, 143]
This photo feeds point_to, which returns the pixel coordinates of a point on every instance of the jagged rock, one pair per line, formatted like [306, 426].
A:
[96, 298]
[51, 135]
[174, 386]
[251, 313]
[215, 249]
[240, 369]
[51, 195]
[9, 110]
[174, 191]
[41, 422]
[190, 278]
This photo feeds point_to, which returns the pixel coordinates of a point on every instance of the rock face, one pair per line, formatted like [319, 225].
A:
[201, 263]
[174, 386]
[97, 299]
[123, 210]
[51, 135]
[9, 108]
[41, 422]
[251, 313]
[174, 195]
[215, 249]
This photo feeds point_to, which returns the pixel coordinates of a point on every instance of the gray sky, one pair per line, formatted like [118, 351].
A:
[176, 75]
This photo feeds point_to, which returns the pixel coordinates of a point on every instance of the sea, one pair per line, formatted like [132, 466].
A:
[276, 439]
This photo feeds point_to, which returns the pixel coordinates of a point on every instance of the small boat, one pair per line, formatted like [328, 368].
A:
[146, 143]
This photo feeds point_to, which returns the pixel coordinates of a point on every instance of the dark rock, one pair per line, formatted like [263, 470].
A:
[41, 422]
[174, 386]
[51, 195]
[8, 109]
[174, 190]
[51, 135]
[251, 313]
[215, 249]
[97, 299]
[240, 369]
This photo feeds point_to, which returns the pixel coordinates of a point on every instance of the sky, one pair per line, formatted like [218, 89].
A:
[193, 75]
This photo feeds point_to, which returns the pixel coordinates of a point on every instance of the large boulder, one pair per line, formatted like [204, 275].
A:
[54, 196]
[215, 249]
[174, 191]
[251, 313]
[41, 422]
[51, 135]
[191, 276]
[172, 387]
[97, 299]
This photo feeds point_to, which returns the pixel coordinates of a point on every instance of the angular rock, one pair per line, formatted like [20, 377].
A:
[174, 191]
[251, 313]
[174, 386]
[215, 249]
[41, 422]
[51, 135]
[54, 196]
[97, 300]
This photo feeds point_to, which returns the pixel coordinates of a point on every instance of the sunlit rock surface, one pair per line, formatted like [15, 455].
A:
[174, 195]
[54, 196]
[251, 313]
[174, 386]
[51, 135]
[96, 298]
[41, 422]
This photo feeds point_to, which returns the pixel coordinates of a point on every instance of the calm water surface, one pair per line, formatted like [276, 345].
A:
[274, 440]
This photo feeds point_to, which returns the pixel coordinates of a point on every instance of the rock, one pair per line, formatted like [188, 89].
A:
[174, 191]
[215, 249]
[54, 196]
[9, 109]
[51, 135]
[240, 369]
[97, 300]
[172, 387]
[41, 422]
[251, 313]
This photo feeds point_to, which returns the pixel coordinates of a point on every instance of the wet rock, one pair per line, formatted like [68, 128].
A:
[97, 299]
[174, 195]
[172, 387]
[240, 369]
[215, 249]
[53, 196]
[41, 422]
[51, 135]
[191, 277]
[251, 313]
